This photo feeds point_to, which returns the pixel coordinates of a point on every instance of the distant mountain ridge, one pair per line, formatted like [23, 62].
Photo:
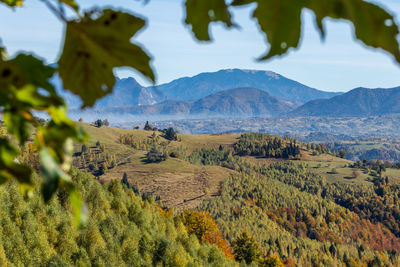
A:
[128, 92]
[241, 102]
[207, 83]
[237, 93]
[357, 102]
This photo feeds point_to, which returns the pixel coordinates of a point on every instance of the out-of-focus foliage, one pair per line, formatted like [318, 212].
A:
[25, 88]
[94, 45]
[280, 21]
[199, 14]
[12, 3]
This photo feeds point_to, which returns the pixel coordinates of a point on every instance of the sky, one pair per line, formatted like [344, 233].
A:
[338, 64]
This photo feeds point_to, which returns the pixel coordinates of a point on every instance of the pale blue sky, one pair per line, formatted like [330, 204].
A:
[338, 64]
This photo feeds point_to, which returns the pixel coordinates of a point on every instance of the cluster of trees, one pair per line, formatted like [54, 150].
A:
[209, 156]
[138, 143]
[170, 134]
[244, 248]
[285, 214]
[145, 144]
[95, 159]
[318, 149]
[156, 146]
[264, 145]
[378, 148]
[375, 167]
[221, 157]
[148, 127]
[99, 123]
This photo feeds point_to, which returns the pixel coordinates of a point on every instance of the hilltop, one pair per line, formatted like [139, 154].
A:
[357, 102]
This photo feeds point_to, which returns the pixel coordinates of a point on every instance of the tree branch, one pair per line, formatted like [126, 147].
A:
[56, 11]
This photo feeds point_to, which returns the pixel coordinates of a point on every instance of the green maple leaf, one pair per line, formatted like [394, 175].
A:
[94, 46]
[280, 20]
[200, 13]
[12, 3]
[72, 4]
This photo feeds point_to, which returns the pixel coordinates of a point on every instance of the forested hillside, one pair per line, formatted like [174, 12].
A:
[300, 227]
[158, 198]
[122, 230]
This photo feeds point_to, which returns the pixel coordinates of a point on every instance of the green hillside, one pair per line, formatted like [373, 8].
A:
[208, 200]
[122, 230]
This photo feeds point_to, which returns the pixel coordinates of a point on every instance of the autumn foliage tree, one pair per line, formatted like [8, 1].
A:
[205, 228]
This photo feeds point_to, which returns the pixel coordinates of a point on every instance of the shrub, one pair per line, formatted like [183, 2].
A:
[356, 174]
[170, 134]
[174, 154]
[155, 156]
[148, 127]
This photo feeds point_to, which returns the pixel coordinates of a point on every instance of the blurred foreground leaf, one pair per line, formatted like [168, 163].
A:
[200, 13]
[280, 20]
[94, 45]
[12, 3]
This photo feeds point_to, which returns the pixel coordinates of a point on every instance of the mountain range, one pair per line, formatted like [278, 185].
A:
[235, 93]
[238, 102]
[357, 102]
[204, 84]
[127, 92]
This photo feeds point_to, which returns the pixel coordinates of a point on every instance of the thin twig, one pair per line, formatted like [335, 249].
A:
[61, 8]
[56, 12]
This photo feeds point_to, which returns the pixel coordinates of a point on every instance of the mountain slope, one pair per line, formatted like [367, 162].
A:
[357, 102]
[241, 102]
[127, 92]
[205, 84]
